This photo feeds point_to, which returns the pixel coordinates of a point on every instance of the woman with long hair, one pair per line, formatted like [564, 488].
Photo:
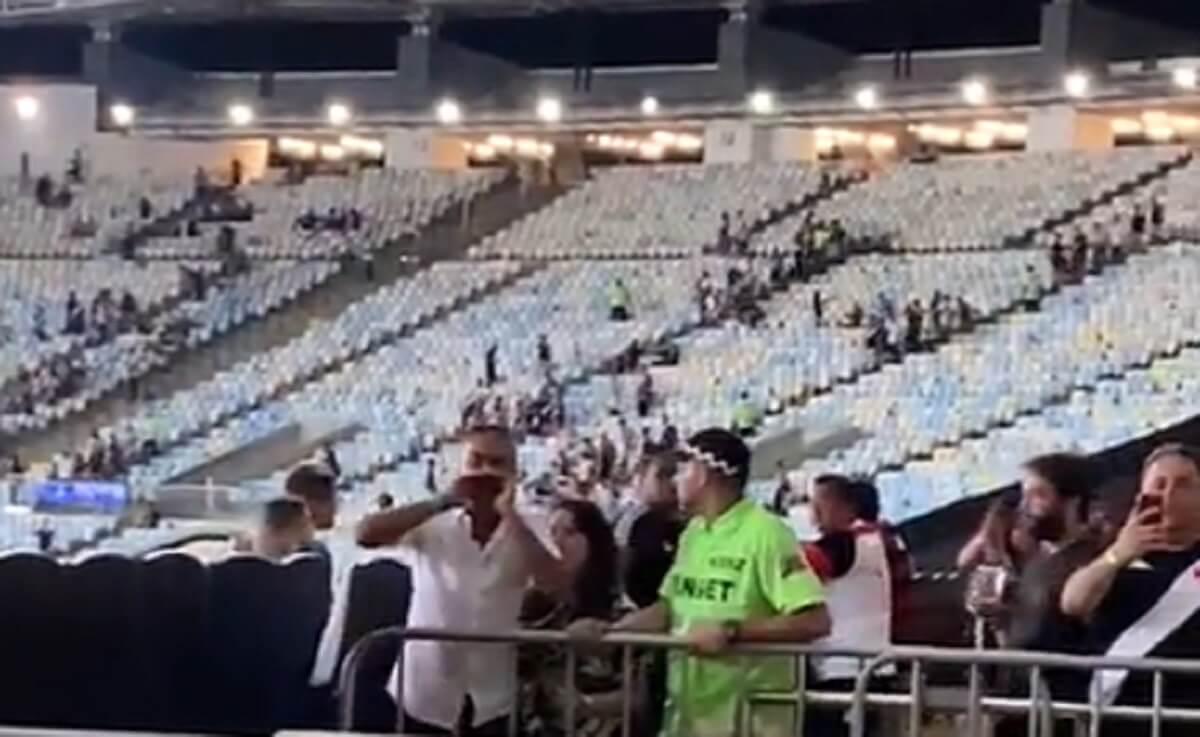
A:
[585, 544]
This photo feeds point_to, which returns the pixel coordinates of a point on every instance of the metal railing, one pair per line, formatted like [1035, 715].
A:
[1037, 707]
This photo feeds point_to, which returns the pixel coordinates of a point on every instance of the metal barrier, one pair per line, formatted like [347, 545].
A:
[627, 642]
[1036, 706]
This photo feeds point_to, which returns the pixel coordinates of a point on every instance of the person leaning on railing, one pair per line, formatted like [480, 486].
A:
[1141, 598]
[736, 579]
[586, 547]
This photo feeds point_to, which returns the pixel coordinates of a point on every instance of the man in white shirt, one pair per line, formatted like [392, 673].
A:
[472, 556]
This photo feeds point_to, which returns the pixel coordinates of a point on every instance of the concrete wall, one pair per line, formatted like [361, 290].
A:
[1061, 128]
[422, 148]
[66, 120]
[116, 154]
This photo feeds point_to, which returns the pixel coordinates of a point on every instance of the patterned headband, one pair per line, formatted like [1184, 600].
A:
[710, 459]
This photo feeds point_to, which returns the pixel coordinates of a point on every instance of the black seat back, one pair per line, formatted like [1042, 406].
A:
[380, 595]
[109, 670]
[176, 590]
[35, 653]
[243, 608]
[304, 595]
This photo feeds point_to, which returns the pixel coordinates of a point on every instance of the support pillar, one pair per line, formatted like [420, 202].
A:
[1063, 128]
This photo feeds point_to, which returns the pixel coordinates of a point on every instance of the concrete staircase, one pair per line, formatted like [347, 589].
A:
[446, 238]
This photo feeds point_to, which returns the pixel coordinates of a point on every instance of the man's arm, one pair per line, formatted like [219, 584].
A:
[1088, 586]
[547, 571]
[651, 619]
[806, 625]
[388, 527]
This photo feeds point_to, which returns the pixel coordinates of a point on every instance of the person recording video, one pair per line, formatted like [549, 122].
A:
[472, 554]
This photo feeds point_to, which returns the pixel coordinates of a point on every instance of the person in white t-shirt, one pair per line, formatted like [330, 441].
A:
[472, 555]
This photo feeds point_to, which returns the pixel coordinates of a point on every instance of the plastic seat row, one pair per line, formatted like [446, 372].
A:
[980, 201]
[418, 385]
[931, 405]
[664, 210]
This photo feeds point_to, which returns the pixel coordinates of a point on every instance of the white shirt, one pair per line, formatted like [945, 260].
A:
[460, 586]
[860, 607]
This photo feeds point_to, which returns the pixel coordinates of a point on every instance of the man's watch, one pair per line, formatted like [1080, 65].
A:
[732, 629]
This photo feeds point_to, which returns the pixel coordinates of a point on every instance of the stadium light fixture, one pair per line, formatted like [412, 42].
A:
[1185, 78]
[1077, 84]
[549, 109]
[975, 92]
[122, 115]
[649, 105]
[449, 112]
[240, 114]
[338, 114]
[27, 107]
[867, 97]
[761, 102]
[500, 142]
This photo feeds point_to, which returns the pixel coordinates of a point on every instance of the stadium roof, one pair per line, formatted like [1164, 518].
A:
[17, 12]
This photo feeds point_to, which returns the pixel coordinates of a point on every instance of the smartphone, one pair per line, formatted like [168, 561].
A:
[1151, 502]
[479, 486]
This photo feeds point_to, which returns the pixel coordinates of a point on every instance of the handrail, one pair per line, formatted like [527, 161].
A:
[1036, 705]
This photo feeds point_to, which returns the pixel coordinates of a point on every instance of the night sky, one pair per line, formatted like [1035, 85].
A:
[554, 40]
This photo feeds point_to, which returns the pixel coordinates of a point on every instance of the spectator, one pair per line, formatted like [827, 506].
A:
[1137, 224]
[618, 301]
[285, 528]
[455, 688]
[490, 373]
[145, 209]
[328, 457]
[782, 497]
[746, 416]
[1141, 598]
[648, 529]
[544, 357]
[1056, 493]
[852, 561]
[735, 579]
[818, 307]
[645, 394]
[589, 557]
[900, 564]
[1158, 216]
[313, 484]
[76, 322]
[774, 405]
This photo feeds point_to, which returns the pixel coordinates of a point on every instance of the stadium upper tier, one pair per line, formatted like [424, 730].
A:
[103, 210]
[653, 211]
[391, 205]
[981, 202]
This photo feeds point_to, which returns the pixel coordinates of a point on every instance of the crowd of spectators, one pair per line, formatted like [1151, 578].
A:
[1088, 249]
[337, 220]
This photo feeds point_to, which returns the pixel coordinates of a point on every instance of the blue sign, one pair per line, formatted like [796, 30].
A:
[95, 497]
